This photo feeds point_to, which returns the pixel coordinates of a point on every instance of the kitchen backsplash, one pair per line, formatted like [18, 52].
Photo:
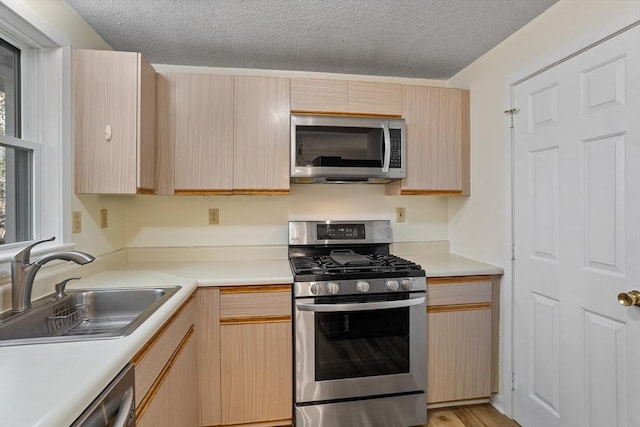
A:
[152, 221]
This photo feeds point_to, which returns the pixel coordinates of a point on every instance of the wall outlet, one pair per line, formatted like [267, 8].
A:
[76, 222]
[214, 216]
[400, 214]
[104, 218]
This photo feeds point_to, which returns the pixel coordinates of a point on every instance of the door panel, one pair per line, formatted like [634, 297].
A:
[577, 236]
[603, 211]
[605, 371]
[545, 387]
[537, 304]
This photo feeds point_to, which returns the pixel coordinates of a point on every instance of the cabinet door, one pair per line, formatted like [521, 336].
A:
[147, 144]
[261, 124]
[375, 98]
[114, 125]
[158, 353]
[462, 349]
[255, 362]
[458, 354]
[319, 95]
[175, 402]
[203, 133]
[256, 372]
[437, 123]
[347, 97]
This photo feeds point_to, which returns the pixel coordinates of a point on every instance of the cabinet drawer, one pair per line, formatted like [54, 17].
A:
[255, 301]
[459, 290]
[150, 361]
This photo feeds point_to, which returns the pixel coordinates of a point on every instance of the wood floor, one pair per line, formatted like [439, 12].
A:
[468, 416]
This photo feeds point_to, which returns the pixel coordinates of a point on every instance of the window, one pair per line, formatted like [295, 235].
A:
[35, 133]
[16, 161]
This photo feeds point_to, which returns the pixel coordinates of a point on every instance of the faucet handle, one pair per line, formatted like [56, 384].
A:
[60, 287]
[24, 256]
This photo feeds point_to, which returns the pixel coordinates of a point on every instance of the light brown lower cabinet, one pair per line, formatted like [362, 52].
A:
[256, 372]
[244, 355]
[166, 378]
[175, 402]
[462, 351]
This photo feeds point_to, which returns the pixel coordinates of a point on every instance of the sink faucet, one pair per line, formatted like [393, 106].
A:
[23, 272]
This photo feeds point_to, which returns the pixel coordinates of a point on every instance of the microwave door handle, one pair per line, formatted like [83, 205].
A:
[328, 308]
[387, 146]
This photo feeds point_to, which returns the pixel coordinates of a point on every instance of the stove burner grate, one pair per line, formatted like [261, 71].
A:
[325, 265]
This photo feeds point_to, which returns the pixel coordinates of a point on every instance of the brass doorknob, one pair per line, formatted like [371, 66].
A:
[629, 298]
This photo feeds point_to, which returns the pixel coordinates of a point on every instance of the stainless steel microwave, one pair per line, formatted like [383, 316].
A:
[332, 149]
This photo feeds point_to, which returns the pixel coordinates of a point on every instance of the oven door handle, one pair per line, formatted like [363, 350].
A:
[381, 305]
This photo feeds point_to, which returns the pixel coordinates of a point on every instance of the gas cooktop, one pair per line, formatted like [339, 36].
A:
[345, 250]
[328, 267]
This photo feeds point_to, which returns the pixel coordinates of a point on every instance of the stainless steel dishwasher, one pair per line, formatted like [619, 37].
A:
[115, 406]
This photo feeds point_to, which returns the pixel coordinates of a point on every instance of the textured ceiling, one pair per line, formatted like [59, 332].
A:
[409, 38]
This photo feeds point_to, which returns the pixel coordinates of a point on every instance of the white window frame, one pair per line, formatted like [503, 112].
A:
[46, 124]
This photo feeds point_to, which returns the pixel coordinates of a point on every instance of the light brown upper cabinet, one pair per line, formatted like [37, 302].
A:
[114, 119]
[346, 96]
[437, 123]
[261, 124]
[195, 134]
[318, 95]
[222, 134]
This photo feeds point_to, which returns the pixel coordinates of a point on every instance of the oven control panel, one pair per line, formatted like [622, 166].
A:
[355, 287]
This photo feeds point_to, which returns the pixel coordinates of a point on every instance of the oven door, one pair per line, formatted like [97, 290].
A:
[353, 347]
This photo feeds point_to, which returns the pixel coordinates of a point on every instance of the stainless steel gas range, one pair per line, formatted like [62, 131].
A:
[359, 327]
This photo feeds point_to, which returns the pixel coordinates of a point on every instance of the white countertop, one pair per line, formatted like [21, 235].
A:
[51, 384]
[441, 265]
[222, 273]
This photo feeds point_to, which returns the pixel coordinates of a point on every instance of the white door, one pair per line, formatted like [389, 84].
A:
[577, 240]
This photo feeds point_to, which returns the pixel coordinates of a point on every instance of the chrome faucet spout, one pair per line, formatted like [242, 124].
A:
[23, 272]
[78, 257]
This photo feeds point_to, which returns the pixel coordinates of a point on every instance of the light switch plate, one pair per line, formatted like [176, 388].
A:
[400, 214]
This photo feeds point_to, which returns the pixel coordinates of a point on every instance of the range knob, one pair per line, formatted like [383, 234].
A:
[333, 288]
[407, 284]
[362, 286]
[315, 288]
[392, 285]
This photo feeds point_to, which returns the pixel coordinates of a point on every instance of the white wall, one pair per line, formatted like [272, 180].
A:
[262, 220]
[62, 17]
[479, 227]
[564, 28]
[92, 239]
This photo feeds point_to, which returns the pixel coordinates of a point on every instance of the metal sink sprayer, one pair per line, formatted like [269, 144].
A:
[23, 272]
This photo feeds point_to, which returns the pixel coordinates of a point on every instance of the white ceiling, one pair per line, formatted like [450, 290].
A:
[431, 39]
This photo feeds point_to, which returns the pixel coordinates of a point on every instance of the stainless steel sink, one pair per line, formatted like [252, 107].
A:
[84, 314]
